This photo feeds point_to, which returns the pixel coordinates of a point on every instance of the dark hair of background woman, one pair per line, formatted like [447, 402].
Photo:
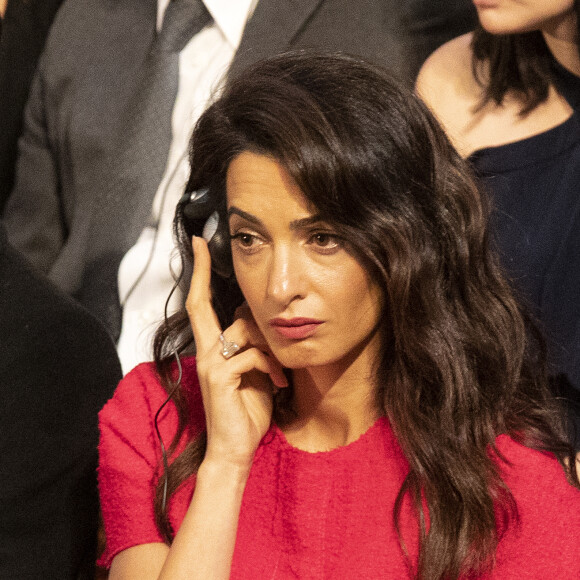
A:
[458, 366]
[519, 63]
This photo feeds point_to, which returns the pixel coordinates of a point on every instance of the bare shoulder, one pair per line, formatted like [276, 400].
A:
[447, 85]
[533, 471]
[448, 68]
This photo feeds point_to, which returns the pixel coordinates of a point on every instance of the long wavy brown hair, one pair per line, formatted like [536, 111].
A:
[460, 363]
[519, 64]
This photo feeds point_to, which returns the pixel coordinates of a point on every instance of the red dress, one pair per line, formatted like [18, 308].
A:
[326, 515]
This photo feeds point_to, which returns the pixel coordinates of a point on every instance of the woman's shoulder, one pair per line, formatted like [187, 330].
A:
[141, 392]
[447, 76]
[447, 84]
[542, 542]
[448, 69]
[533, 474]
[448, 87]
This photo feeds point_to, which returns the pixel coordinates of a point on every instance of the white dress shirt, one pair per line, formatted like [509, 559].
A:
[202, 64]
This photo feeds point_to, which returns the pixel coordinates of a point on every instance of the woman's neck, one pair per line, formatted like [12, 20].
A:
[562, 40]
[335, 405]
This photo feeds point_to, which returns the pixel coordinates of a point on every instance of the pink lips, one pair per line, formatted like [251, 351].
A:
[295, 328]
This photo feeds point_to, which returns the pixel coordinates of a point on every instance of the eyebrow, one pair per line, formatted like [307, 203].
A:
[294, 225]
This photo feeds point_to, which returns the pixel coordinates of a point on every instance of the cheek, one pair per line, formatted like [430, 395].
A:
[368, 309]
[251, 283]
[357, 298]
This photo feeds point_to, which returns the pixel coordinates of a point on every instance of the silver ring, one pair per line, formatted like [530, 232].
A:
[229, 349]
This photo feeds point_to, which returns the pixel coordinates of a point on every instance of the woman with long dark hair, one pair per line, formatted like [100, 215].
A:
[366, 398]
[508, 97]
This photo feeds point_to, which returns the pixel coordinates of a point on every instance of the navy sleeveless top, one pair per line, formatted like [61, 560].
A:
[535, 189]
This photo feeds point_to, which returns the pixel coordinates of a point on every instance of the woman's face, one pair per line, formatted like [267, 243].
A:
[311, 299]
[515, 16]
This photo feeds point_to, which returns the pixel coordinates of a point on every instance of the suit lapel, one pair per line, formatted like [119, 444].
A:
[273, 26]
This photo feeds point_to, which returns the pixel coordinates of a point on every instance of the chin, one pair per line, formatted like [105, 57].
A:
[495, 24]
[496, 29]
[296, 361]
[298, 356]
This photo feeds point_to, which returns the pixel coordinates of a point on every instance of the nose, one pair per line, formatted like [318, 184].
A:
[286, 276]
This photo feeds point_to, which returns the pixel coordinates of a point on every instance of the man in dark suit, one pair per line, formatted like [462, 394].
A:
[86, 78]
[58, 366]
[25, 25]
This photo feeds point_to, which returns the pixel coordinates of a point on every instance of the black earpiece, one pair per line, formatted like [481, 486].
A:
[195, 209]
[200, 217]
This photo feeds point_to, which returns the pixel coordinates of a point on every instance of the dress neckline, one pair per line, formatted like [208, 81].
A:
[544, 145]
[380, 429]
[531, 150]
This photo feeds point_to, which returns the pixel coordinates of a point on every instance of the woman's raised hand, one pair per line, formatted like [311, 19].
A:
[237, 392]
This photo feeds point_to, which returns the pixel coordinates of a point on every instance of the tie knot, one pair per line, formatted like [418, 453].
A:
[183, 19]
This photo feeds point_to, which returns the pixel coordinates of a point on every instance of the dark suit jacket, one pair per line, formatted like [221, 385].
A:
[24, 29]
[58, 366]
[88, 72]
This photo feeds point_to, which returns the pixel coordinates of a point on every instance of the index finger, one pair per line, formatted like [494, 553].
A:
[203, 319]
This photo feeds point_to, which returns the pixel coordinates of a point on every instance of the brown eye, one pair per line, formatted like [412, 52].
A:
[325, 242]
[324, 239]
[246, 242]
[245, 239]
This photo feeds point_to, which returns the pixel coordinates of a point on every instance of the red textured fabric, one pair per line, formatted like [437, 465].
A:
[320, 515]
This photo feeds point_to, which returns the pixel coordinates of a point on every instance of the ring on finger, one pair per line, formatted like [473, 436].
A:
[229, 349]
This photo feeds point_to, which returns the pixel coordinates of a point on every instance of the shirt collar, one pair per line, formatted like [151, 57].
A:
[230, 16]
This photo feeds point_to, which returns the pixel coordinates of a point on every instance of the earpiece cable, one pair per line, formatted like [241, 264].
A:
[169, 397]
